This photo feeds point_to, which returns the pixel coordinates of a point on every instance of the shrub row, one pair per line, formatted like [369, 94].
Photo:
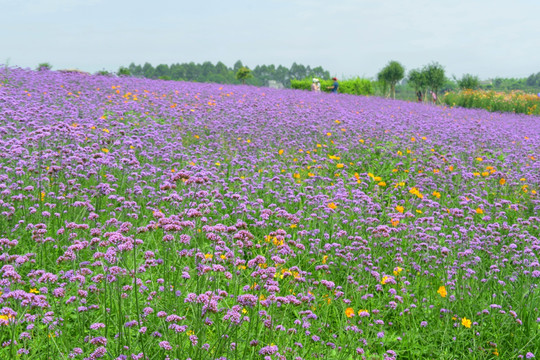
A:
[356, 86]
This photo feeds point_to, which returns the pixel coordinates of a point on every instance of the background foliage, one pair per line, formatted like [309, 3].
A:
[356, 86]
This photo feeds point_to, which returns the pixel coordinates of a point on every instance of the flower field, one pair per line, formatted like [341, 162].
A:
[516, 101]
[146, 219]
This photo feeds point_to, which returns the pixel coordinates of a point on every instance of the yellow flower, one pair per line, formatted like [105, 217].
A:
[325, 257]
[400, 209]
[384, 280]
[105, 150]
[361, 311]
[34, 291]
[502, 181]
[415, 191]
[466, 322]
[332, 206]
[395, 222]
[382, 183]
[208, 256]
[106, 130]
[328, 134]
[280, 152]
[397, 270]
[479, 211]
[442, 291]
[339, 166]
[349, 312]
[293, 226]
[437, 194]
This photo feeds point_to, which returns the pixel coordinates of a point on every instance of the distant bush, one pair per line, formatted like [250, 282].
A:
[356, 86]
[44, 66]
[123, 71]
[104, 73]
[515, 101]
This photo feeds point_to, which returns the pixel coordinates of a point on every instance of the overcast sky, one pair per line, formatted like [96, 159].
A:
[487, 38]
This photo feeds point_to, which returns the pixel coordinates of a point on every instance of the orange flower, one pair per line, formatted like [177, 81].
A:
[502, 181]
[442, 291]
[400, 209]
[332, 206]
[479, 211]
[349, 312]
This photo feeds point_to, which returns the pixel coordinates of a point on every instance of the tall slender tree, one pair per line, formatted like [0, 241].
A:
[391, 74]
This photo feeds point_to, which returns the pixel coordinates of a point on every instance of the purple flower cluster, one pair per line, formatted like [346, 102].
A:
[149, 219]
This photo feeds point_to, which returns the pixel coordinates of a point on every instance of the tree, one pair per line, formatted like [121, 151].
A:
[418, 80]
[177, 72]
[207, 69]
[148, 70]
[237, 66]
[533, 80]
[391, 74]
[221, 69]
[192, 71]
[243, 74]
[468, 81]
[435, 77]
[297, 71]
[163, 72]
[135, 70]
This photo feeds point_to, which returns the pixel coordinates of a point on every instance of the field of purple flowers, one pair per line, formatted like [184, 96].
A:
[146, 219]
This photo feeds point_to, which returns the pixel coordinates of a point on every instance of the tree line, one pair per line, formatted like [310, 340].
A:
[260, 75]
[392, 80]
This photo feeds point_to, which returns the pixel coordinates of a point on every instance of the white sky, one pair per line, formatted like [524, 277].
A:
[487, 38]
